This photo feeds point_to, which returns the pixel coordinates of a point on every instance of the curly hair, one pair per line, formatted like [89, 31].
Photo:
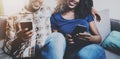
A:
[82, 10]
[61, 6]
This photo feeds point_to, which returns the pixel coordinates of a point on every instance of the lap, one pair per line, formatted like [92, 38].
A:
[89, 51]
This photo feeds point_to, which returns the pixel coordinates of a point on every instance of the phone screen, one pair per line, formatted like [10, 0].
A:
[26, 25]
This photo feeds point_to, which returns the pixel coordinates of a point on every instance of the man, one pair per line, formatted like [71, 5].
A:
[24, 43]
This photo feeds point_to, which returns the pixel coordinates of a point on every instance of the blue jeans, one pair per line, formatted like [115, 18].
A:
[54, 47]
[92, 51]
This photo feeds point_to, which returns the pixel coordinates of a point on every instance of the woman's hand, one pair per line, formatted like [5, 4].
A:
[24, 35]
[69, 39]
[84, 36]
[88, 37]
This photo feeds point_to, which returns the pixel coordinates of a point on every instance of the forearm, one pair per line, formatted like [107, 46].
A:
[95, 38]
[10, 40]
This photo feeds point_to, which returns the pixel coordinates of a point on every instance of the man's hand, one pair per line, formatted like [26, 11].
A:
[95, 14]
[69, 39]
[24, 35]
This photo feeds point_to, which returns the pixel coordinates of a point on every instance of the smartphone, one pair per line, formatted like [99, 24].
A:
[79, 29]
[25, 25]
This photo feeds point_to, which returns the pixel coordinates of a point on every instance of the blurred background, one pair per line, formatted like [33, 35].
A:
[112, 5]
[8, 7]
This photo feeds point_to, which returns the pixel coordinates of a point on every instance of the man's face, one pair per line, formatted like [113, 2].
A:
[36, 4]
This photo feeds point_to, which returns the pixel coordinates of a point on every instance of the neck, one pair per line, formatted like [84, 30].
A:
[69, 15]
[69, 11]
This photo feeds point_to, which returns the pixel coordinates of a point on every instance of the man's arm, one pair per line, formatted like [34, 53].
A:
[11, 42]
[95, 14]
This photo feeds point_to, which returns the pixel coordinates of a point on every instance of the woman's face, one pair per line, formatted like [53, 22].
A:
[36, 4]
[72, 3]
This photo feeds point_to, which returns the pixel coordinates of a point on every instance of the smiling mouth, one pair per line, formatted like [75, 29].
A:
[73, 3]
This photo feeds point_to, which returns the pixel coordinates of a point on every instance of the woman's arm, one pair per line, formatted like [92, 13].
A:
[95, 37]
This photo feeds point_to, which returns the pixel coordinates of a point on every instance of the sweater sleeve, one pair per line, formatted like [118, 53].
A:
[10, 42]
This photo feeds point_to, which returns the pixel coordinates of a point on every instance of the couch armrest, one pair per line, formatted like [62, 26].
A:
[115, 24]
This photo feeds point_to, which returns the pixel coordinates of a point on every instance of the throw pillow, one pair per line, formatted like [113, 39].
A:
[112, 42]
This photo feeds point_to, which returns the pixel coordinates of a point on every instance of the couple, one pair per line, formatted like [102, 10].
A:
[40, 43]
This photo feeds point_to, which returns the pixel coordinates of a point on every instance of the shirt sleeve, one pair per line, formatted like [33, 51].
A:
[10, 37]
[90, 18]
[53, 23]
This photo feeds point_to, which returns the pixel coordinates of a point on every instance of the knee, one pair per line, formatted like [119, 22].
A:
[57, 37]
[91, 51]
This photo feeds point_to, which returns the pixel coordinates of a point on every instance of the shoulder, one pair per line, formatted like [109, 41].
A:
[46, 10]
[56, 16]
[90, 18]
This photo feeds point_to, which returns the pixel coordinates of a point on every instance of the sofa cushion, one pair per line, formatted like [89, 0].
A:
[2, 54]
[112, 42]
[2, 26]
[104, 26]
[115, 24]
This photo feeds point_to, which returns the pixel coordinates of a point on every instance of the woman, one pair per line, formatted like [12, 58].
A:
[69, 14]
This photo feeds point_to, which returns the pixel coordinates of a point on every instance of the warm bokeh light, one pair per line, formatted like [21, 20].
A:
[12, 6]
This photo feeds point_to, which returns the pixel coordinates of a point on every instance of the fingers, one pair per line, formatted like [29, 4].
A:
[25, 34]
[98, 18]
[71, 42]
[85, 34]
[28, 34]
[69, 39]
[95, 14]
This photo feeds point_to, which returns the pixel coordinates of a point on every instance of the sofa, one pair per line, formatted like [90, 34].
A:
[105, 26]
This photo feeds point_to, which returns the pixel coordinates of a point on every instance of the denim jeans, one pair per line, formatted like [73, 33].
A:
[92, 51]
[54, 48]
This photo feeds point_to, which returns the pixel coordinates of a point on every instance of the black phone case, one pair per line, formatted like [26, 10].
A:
[79, 29]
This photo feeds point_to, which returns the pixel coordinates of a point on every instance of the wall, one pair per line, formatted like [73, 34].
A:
[1, 8]
[112, 5]
[12, 6]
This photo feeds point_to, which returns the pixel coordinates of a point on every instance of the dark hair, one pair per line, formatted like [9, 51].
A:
[83, 9]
